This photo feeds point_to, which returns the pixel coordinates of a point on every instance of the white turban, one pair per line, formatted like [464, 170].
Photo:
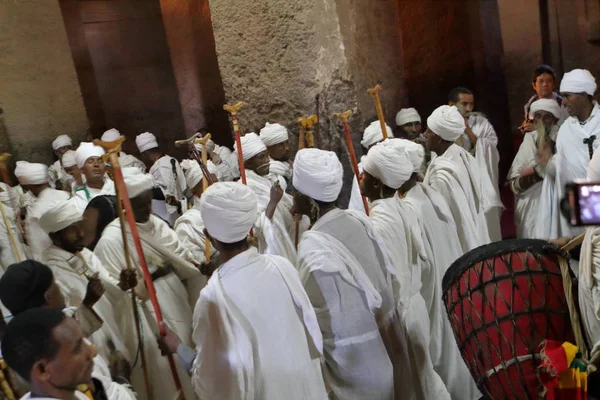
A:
[111, 135]
[373, 134]
[252, 145]
[273, 134]
[549, 105]
[210, 147]
[31, 173]
[406, 116]
[146, 141]
[388, 163]
[229, 210]
[447, 123]
[61, 141]
[578, 81]
[415, 151]
[593, 170]
[193, 172]
[87, 150]
[69, 159]
[136, 181]
[318, 174]
[60, 215]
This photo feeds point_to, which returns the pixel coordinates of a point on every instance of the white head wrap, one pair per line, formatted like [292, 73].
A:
[69, 159]
[388, 163]
[373, 134]
[252, 145]
[136, 181]
[318, 174]
[210, 147]
[593, 170]
[111, 135]
[407, 115]
[87, 150]
[31, 173]
[415, 152]
[447, 123]
[229, 210]
[578, 81]
[549, 105]
[193, 172]
[273, 134]
[61, 141]
[146, 141]
[60, 215]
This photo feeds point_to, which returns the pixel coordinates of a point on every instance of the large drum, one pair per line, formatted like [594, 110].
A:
[503, 300]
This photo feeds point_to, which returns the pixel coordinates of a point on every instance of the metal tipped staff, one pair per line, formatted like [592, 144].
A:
[233, 110]
[113, 149]
[375, 93]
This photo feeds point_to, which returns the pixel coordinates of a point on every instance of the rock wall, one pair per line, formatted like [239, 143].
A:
[40, 94]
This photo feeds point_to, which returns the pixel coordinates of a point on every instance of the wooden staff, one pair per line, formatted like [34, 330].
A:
[233, 110]
[301, 134]
[113, 149]
[5, 177]
[317, 114]
[307, 123]
[204, 187]
[353, 160]
[375, 93]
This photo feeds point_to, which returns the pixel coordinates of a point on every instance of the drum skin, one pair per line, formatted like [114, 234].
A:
[503, 300]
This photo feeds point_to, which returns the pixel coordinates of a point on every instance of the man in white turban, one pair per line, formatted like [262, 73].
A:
[275, 137]
[60, 146]
[275, 226]
[385, 168]
[345, 273]
[528, 172]
[167, 175]
[93, 167]
[577, 140]
[457, 176]
[409, 125]
[170, 266]
[442, 247]
[224, 160]
[253, 308]
[125, 160]
[480, 139]
[371, 136]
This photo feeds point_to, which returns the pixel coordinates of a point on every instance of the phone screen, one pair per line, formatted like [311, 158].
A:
[584, 201]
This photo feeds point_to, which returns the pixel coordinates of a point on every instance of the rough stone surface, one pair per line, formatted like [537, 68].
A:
[40, 94]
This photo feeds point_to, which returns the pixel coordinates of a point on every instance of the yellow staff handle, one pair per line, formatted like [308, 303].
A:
[307, 123]
[375, 93]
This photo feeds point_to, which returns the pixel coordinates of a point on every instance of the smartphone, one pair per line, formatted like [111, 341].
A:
[583, 203]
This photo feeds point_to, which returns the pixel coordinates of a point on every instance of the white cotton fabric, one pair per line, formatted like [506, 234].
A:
[229, 210]
[318, 174]
[61, 141]
[356, 203]
[593, 169]
[447, 123]
[273, 134]
[388, 163]
[252, 145]
[589, 284]
[578, 81]
[10, 203]
[240, 354]
[406, 116]
[193, 172]
[69, 159]
[145, 141]
[136, 182]
[415, 152]
[373, 134]
[111, 135]
[31, 173]
[190, 230]
[60, 215]
[171, 184]
[548, 105]
[87, 150]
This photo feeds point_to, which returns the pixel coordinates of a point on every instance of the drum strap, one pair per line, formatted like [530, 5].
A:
[508, 363]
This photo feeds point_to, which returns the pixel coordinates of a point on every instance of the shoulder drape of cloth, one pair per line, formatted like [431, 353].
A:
[280, 168]
[129, 161]
[9, 199]
[356, 202]
[162, 173]
[190, 230]
[589, 285]
[240, 356]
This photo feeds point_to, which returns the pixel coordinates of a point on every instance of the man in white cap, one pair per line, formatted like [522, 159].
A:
[93, 167]
[125, 160]
[253, 308]
[457, 176]
[371, 136]
[275, 137]
[385, 168]
[527, 172]
[168, 264]
[75, 268]
[60, 146]
[167, 175]
[480, 139]
[74, 178]
[345, 273]
[409, 125]
[440, 240]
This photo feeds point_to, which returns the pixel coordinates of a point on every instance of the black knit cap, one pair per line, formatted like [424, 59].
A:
[23, 286]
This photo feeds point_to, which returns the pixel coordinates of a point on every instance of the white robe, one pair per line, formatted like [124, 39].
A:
[162, 173]
[397, 226]
[589, 285]
[87, 193]
[170, 291]
[442, 247]
[456, 176]
[129, 161]
[56, 172]
[256, 333]
[227, 165]
[281, 170]
[11, 253]
[356, 202]
[348, 279]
